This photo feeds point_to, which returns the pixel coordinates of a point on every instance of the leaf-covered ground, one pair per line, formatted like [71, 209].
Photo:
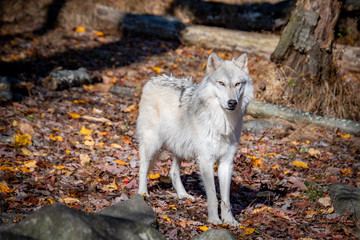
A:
[78, 146]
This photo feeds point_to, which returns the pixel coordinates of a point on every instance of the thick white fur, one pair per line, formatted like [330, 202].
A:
[195, 121]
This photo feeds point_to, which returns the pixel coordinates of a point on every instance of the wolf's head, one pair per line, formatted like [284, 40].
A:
[231, 83]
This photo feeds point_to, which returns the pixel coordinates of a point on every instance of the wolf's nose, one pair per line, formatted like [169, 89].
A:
[232, 104]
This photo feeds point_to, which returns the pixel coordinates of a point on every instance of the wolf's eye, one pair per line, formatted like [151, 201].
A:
[237, 84]
[221, 83]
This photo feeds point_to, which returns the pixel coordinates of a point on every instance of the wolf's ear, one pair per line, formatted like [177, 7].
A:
[213, 63]
[242, 62]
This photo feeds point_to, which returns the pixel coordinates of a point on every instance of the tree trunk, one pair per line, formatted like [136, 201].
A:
[305, 46]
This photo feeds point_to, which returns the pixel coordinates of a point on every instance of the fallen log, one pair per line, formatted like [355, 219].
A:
[267, 110]
[166, 27]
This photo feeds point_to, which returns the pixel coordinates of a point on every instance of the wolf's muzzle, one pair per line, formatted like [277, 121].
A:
[232, 104]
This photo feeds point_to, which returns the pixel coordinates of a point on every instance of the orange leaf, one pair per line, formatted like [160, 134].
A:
[73, 115]
[299, 164]
[126, 139]
[80, 29]
[120, 162]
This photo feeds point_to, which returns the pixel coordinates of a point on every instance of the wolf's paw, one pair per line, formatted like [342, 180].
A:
[144, 193]
[215, 221]
[185, 195]
[232, 222]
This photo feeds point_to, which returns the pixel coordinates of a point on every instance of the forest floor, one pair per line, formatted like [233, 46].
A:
[78, 146]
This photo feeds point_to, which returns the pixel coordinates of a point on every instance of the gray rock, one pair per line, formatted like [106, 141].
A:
[59, 222]
[5, 89]
[121, 91]
[346, 199]
[259, 125]
[134, 209]
[215, 234]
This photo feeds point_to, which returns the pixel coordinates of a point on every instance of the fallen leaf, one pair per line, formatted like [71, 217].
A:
[70, 200]
[326, 201]
[89, 141]
[31, 165]
[126, 139]
[110, 187]
[203, 228]
[97, 119]
[314, 152]
[84, 159]
[297, 183]
[115, 145]
[120, 162]
[26, 152]
[73, 115]
[157, 69]
[262, 209]
[56, 138]
[299, 164]
[22, 139]
[85, 131]
[131, 108]
[154, 176]
[4, 188]
[80, 29]
[26, 128]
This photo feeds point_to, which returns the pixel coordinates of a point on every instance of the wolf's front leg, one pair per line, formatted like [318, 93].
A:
[207, 173]
[225, 171]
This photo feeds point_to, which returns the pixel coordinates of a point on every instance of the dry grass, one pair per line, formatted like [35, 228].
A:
[334, 98]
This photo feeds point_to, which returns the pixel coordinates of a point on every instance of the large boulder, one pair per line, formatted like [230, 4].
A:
[60, 222]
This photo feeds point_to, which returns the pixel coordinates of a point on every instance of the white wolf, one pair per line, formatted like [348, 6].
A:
[201, 121]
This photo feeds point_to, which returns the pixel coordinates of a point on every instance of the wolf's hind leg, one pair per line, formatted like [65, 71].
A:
[176, 180]
[148, 151]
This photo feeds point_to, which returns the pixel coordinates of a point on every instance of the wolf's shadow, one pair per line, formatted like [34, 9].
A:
[240, 196]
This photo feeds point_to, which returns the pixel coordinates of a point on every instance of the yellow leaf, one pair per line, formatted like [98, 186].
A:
[89, 141]
[59, 167]
[299, 164]
[80, 29]
[154, 176]
[345, 172]
[88, 87]
[111, 187]
[131, 108]
[67, 151]
[344, 136]
[262, 209]
[120, 162]
[126, 139]
[157, 69]
[248, 231]
[100, 145]
[99, 34]
[70, 200]
[26, 152]
[307, 142]
[258, 163]
[203, 228]
[4, 188]
[251, 157]
[295, 143]
[56, 138]
[79, 101]
[73, 115]
[30, 165]
[22, 140]
[3, 168]
[166, 218]
[86, 131]
[51, 201]
[115, 145]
